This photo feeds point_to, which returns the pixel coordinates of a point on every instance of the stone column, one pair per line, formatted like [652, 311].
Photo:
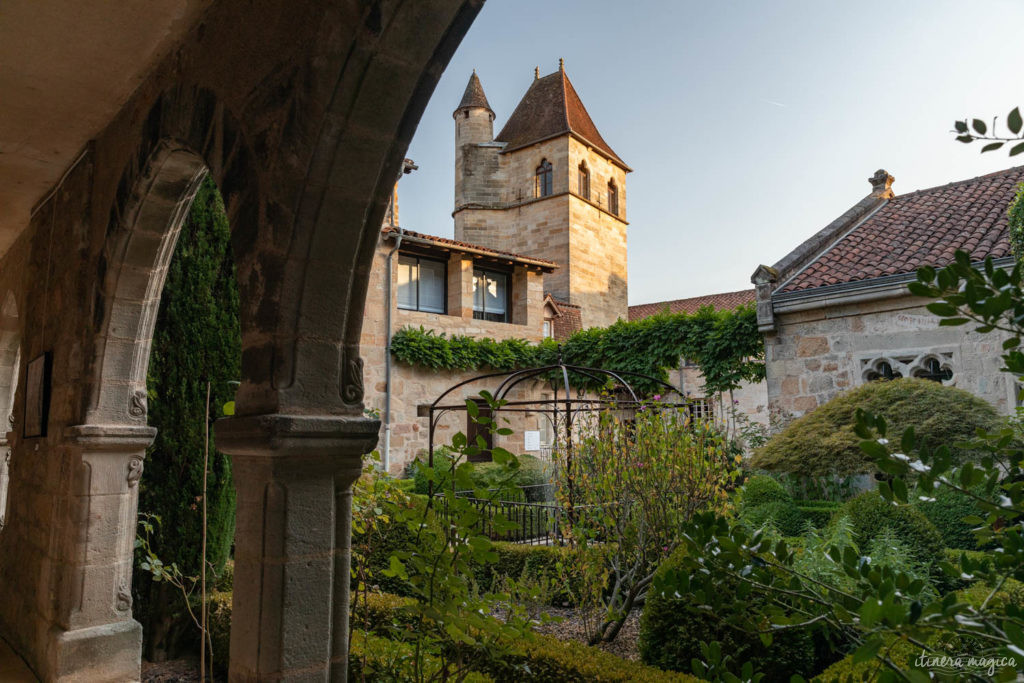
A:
[293, 475]
[97, 639]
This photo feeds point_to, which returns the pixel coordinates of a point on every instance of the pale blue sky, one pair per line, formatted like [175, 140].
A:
[749, 125]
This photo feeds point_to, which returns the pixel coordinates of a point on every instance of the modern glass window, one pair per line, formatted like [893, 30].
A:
[490, 296]
[543, 178]
[613, 198]
[583, 181]
[421, 284]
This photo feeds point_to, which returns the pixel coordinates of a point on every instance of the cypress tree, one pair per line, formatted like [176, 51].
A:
[197, 339]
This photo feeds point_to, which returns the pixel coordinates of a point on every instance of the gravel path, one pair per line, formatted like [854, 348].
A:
[571, 627]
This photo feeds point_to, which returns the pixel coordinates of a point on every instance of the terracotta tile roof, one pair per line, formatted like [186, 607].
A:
[921, 228]
[720, 302]
[568, 320]
[474, 95]
[550, 108]
[390, 231]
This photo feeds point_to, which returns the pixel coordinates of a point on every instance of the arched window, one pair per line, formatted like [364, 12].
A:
[583, 181]
[613, 198]
[543, 179]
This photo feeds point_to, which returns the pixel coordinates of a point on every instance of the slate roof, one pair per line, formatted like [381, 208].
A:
[474, 95]
[551, 108]
[920, 228]
[390, 232]
[568, 320]
[720, 302]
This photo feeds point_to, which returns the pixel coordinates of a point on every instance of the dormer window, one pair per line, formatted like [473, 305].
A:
[583, 181]
[613, 198]
[543, 179]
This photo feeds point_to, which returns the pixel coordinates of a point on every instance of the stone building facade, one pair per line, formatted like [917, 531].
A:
[542, 206]
[836, 311]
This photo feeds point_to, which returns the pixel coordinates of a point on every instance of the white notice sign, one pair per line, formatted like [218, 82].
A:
[532, 441]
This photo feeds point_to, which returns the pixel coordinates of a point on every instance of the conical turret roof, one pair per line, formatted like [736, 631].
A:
[551, 107]
[474, 95]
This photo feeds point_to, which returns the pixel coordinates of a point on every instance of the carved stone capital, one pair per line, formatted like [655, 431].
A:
[283, 436]
[111, 438]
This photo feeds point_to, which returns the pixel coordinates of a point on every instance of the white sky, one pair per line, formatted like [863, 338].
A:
[749, 125]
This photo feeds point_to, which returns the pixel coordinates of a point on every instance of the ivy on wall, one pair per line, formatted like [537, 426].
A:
[725, 344]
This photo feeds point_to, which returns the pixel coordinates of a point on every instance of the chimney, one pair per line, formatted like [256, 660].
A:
[881, 184]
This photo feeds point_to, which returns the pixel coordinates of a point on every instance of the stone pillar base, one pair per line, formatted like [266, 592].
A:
[97, 654]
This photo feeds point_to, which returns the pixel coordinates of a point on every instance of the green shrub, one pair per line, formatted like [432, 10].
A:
[947, 512]
[377, 551]
[822, 443]
[786, 517]
[516, 560]
[870, 515]
[372, 658]
[673, 628]
[550, 660]
[219, 623]
[818, 513]
[763, 489]
[544, 658]
[486, 475]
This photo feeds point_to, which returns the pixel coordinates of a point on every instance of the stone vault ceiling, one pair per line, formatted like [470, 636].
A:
[66, 68]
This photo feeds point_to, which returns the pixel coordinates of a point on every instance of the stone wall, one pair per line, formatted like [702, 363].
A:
[414, 386]
[814, 355]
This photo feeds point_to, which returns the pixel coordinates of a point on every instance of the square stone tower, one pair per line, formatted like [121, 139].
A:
[546, 186]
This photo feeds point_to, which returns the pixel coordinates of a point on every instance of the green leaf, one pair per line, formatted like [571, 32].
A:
[979, 126]
[961, 126]
[867, 651]
[1013, 121]
[228, 408]
[991, 147]
[1017, 149]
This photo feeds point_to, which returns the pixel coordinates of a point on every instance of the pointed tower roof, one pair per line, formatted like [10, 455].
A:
[551, 108]
[474, 95]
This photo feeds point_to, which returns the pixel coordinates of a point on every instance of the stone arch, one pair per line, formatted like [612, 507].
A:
[305, 159]
[10, 361]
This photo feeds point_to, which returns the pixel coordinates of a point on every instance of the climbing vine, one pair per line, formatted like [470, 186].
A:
[725, 344]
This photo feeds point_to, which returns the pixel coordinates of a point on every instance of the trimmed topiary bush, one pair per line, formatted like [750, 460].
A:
[517, 560]
[822, 443]
[763, 489]
[947, 512]
[673, 628]
[783, 514]
[870, 515]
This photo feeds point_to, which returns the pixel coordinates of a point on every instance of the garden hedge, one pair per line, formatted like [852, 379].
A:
[822, 443]
[785, 515]
[947, 512]
[517, 560]
[869, 514]
[672, 629]
[545, 659]
[763, 489]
